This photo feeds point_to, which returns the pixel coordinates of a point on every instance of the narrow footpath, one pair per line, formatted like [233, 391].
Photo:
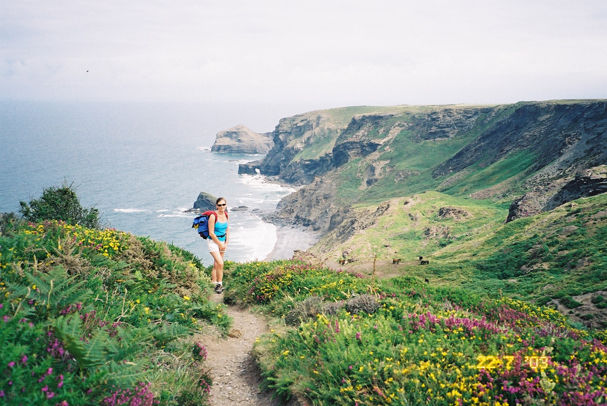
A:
[235, 376]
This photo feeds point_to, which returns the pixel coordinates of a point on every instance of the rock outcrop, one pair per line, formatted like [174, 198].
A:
[590, 182]
[242, 140]
[204, 202]
[558, 133]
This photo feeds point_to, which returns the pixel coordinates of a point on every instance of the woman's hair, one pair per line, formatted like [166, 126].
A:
[219, 199]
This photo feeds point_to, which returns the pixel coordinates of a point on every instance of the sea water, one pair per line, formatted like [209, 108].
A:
[141, 165]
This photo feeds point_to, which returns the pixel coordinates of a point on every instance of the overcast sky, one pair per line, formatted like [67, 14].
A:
[315, 52]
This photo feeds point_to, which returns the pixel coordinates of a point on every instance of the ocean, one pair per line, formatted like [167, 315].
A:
[141, 164]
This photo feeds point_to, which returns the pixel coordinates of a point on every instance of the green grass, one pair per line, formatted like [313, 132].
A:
[483, 178]
[529, 258]
[321, 144]
[403, 228]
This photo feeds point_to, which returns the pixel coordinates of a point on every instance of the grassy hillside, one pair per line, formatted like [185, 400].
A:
[100, 317]
[556, 258]
[351, 340]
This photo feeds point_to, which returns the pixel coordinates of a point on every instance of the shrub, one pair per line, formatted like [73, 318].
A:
[60, 203]
[96, 316]
[570, 302]
[8, 223]
[303, 311]
[363, 303]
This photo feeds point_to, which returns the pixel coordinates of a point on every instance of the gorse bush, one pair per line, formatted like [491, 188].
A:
[301, 279]
[281, 284]
[60, 203]
[95, 316]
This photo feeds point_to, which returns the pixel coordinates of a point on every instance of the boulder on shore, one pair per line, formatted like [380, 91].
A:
[242, 140]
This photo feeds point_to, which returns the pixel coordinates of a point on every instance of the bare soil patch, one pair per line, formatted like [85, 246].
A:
[235, 374]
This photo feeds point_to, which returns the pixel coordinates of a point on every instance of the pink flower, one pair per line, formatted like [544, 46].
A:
[24, 359]
[11, 364]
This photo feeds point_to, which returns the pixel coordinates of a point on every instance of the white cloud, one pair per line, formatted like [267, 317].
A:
[340, 52]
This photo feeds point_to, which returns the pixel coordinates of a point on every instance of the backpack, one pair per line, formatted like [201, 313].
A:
[202, 223]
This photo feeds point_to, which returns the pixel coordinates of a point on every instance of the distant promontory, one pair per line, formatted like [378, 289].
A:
[241, 139]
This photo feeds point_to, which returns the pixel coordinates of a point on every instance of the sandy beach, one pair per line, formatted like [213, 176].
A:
[289, 239]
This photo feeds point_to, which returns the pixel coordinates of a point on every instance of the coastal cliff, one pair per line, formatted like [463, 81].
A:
[524, 152]
[242, 140]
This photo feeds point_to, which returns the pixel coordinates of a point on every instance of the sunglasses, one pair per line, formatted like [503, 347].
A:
[219, 205]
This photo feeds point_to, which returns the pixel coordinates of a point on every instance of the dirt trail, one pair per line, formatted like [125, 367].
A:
[235, 375]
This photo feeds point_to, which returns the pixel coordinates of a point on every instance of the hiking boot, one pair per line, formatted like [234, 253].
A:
[218, 289]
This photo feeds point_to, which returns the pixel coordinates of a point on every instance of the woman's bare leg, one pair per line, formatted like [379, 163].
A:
[217, 272]
[220, 270]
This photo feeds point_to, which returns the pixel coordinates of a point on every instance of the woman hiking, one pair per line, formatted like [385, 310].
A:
[219, 235]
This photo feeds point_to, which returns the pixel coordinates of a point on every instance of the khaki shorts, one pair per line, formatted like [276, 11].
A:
[212, 246]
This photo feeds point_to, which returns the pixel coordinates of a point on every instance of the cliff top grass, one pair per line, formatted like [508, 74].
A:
[321, 139]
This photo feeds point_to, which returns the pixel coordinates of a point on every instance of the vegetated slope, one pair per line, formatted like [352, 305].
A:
[481, 165]
[558, 257]
[355, 340]
[95, 316]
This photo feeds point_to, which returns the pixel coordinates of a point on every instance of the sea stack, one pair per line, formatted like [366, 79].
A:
[204, 202]
[241, 140]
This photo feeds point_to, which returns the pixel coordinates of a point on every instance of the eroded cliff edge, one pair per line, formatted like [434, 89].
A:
[524, 153]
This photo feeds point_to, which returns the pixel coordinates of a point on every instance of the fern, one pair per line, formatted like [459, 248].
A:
[130, 343]
[167, 332]
[123, 375]
[68, 330]
[96, 349]
[56, 289]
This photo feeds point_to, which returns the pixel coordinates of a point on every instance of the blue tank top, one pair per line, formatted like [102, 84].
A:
[220, 230]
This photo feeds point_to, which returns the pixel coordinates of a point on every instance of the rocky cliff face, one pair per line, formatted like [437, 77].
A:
[458, 149]
[242, 140]
[565, 132]
[590, 182]
[291, 137]
[303, 144]
[311, 206]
